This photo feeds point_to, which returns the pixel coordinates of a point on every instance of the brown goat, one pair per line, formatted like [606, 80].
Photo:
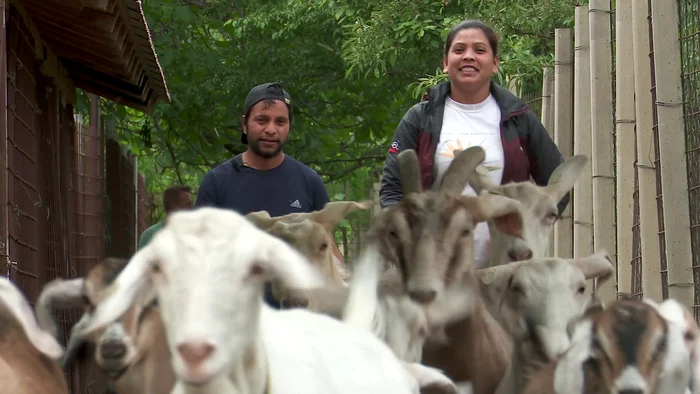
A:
[428, 236]
[28, 355]
[627, 347]
[312, 235]
[132, 351]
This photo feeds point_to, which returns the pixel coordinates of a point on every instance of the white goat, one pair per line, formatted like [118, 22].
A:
[627, 347]
[27, 353]
[208, 267]
[539, 210]
[535, 301]
[132, 351]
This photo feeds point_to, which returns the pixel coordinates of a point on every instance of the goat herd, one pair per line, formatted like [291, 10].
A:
[186, 314]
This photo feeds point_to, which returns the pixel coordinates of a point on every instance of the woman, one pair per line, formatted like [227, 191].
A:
[470, 109]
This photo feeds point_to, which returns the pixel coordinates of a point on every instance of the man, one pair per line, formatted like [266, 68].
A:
[264, 177]
[175, 198]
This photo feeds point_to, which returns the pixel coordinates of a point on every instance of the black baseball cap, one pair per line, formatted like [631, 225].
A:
[269, 90]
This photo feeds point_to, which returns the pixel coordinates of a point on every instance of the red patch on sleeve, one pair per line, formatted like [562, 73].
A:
[394, 147]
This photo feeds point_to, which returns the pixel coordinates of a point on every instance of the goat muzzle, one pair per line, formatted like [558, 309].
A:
[195, 353]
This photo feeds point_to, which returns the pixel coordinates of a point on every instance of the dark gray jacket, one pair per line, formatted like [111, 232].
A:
[527, 147]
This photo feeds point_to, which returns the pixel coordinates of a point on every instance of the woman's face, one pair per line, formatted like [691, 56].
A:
[470, 62]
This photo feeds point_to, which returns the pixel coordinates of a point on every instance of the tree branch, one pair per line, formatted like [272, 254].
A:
[170, 150]
[199, 152]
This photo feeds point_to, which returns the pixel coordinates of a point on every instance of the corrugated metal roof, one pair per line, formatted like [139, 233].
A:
[106, 47]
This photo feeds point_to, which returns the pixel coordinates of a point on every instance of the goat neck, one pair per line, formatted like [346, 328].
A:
[474, 348]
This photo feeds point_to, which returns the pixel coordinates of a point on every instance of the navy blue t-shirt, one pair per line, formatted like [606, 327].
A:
[288, 188]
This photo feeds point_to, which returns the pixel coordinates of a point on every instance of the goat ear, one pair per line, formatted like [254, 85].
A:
[333, 212]
[285, 263]
[504, 211]
[261, 219]
[120, 295]
[58, 293]
[597, 265]
[457, 174]
[19, 308]
[409, 171]
[480, 180]
[565, 176]
[76, 340]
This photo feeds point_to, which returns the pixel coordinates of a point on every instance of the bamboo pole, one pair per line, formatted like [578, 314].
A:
[563, 129]
[624, 135]
[547, 103]
[646, 173]
[602, 143]
[672, 150]
[547, 117]
[583, 189]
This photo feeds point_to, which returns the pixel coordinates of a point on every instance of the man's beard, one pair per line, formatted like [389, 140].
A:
[258, 150]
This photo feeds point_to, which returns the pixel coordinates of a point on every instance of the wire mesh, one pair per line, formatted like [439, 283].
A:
[689, 34]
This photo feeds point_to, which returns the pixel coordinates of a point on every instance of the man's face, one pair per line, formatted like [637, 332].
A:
[267, 128]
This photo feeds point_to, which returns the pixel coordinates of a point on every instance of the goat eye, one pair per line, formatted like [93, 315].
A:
[323, 247]
[582, 289]
[517, 289]
[466, 232]
[256, 270]
[689, 336]
[551, 217]
[393, 234]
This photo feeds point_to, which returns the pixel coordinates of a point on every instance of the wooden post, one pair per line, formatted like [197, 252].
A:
[646, 173]
[624, 134]
[672, 150]
[583, 189]
[563, 129]
[602, 142]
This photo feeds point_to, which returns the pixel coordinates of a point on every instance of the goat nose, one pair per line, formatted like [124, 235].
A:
[520, 255]
[194, 353]
[423, 296]
[631, 391]
[112, 349]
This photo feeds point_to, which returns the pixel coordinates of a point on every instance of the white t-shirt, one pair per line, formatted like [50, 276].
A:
[464, 126]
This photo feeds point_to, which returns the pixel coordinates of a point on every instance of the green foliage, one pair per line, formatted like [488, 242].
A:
[353, 67]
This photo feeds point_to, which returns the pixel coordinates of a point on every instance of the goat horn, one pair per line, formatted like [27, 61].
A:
[409, 170]
[457, 174]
